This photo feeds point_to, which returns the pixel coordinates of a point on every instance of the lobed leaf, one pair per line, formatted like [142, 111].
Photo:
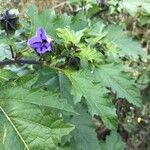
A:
[84, 135]
[95, 95]
[69, 36]
[28, 126]
[113, 142]
[35, 96]
[112, 76]
[132, 6]
[125, 43]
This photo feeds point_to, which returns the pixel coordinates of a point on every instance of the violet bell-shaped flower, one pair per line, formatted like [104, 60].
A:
[41, 43]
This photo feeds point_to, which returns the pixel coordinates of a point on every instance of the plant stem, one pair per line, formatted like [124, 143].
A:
[59, 5]
[20, 61]
[11, 49]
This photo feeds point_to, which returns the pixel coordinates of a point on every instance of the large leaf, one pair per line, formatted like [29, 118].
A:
[98, 102]
[4, 51]
[131, 6]
[113, 142]
[6, 75]
[28, 126]
[54, 81]
[50, 21]
[48, 78]
[34, 96]
[112, 76]
[47, 19]
[125, 43]
[84, 136]
[29, 116]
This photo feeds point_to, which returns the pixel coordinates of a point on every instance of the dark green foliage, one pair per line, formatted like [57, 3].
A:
[61, 103]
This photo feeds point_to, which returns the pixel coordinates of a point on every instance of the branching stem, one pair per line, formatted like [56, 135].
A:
[20, 61]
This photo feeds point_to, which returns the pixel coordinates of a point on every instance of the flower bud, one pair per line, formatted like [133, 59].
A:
[9, 20]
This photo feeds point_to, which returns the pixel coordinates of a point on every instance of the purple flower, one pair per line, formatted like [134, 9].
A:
[41, 43]
[102, 2]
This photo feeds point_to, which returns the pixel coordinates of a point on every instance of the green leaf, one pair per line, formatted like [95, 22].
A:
[97, 28]
[38, 97]
[113, 142]
[28, 126]
[28, 117]
[112, 75]
[6, 75]
[3, 37]
[89, 54]
[47, 19]
[125, 43]
[51, 21]
[79, 21]
[95, 33]
[84, 135]
[95, 95]
[4, 51]
[69, 36]
[47, 78]
[54, 81]
[132, 6]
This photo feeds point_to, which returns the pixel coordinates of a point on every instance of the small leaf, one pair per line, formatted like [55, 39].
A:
[89, 54]
[69, 36]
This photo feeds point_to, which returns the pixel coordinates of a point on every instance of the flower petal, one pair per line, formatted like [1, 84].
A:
[41, 33]
[36, 45]
[47, 45]
[49, 40]
[39, 50]
[42, 50]
[33, 40]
